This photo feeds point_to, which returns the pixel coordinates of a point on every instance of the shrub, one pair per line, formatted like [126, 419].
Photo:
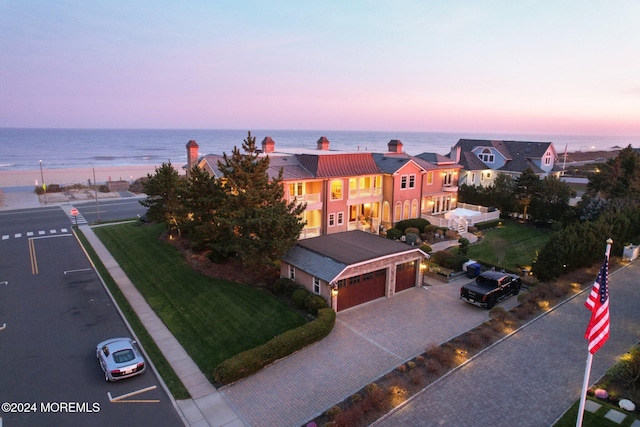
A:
[412, 239]
[430, 229]
[284, 286]
[394, 234]
[454, 262]
[313, 303]
[413, 230]
[426, 248]
[451, 234]
[299, 296]
[251, 361]
[333, 411]
[419, 223]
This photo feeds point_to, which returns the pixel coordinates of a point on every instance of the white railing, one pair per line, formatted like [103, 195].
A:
[308, 232]
[364, 192]
[308, 198]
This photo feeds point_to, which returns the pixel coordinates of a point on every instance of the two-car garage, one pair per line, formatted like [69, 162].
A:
[353, 267]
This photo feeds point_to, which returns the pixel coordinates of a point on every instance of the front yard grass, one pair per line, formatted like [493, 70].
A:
[212, 319]
[515, 241]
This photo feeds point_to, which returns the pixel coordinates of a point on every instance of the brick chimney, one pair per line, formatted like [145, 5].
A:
[395, 146]
[192, 155]
[323, 143]
[268, 145]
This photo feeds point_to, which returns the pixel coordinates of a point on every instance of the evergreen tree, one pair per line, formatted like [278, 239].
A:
[254, 221]
[552, 201]
[163, 190]
[527, 186]
[201, 199]
[619, 177]
[504, 189]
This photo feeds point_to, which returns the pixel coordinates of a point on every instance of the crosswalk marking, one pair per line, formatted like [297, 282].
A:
[33, 233]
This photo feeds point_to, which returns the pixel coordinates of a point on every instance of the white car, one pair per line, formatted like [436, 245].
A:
[120, 358]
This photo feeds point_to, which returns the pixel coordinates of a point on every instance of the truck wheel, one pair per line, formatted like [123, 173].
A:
[516, 291]
[491, 303]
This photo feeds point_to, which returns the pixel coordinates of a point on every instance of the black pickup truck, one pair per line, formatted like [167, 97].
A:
[490, 287]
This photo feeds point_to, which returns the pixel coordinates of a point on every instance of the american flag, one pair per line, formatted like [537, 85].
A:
[598, 302]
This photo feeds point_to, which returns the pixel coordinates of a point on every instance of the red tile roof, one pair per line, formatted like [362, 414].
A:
[337, 165]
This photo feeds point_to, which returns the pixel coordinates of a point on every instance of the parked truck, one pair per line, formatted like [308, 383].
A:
[490, 287]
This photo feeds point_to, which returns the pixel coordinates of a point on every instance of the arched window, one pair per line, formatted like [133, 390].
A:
[336, 189]
[386, 212]
[414, 208]
[397, 215]
[405, 213]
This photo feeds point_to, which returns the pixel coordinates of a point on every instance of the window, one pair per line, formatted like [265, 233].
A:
[448, 179]
[412, 181]
[332, 220]
[295, 189]
[486, 156]
[336, 189]
[292, 272]
[405, 212]
[397, 214]
[403, 182]
[473, 178]
[414, 208]
[547, 159]
[340, 218]
[386, 212]
[430, 177]
[316, 285]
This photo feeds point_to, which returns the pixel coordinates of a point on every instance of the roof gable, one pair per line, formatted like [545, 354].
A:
[338, 165]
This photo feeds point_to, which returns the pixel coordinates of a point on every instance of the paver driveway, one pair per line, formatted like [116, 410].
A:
[535, 375]
[367, 342]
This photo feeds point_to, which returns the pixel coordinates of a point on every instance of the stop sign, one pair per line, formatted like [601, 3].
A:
[74, 211]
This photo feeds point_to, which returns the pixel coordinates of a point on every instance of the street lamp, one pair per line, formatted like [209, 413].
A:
[95, 190]
[44, 187]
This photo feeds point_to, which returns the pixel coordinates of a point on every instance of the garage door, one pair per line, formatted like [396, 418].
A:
[360, 289]
[405, 276]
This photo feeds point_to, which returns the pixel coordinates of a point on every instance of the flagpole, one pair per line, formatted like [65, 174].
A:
[587, 370]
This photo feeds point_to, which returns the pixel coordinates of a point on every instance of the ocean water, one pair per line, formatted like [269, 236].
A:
[22, 149]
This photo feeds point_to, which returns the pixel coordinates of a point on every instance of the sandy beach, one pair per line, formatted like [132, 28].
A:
[21, 178]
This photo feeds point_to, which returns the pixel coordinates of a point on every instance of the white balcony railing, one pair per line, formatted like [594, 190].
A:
[306, 198]
[309, 232]
[355, 193]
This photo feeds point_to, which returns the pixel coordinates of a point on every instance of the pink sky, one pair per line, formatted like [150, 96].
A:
[459, 66]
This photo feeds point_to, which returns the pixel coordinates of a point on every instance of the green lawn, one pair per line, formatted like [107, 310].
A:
[212, 319]
[596, 419]
[521, 241]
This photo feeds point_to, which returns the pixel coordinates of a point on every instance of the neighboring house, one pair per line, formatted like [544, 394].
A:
[353, 267]
[482, 160]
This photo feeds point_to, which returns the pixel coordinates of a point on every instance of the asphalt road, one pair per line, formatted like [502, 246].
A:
[53, 312]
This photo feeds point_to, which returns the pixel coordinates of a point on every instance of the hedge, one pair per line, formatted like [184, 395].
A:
[419, 223]
[251, 361]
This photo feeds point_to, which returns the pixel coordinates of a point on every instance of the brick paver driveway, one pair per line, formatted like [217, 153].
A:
[367, 342]
[535, 375]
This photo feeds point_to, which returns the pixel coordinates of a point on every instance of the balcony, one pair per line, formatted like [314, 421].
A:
[309, 232]
[306, 198]
[357, 193]
[450, 188]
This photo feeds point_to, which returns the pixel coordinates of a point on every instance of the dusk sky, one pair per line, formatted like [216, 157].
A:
[543, 67]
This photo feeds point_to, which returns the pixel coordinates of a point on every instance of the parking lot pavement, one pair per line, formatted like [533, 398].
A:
[366, 342]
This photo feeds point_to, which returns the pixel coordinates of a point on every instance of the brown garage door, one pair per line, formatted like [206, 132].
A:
[405, 276]
[360, 289]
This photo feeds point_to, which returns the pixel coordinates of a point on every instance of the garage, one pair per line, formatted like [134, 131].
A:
[357, 290]
[352, 267]
[405, 276]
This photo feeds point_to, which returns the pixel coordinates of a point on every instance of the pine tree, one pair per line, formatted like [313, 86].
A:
[163, 190]
[254, 222]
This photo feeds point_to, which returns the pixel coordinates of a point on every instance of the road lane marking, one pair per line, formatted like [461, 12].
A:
[32, 255]
[77, 271]
[18, 235]
[5, 237]
[119, 399]
[4, 325]
[29, 233]
[41, 232]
